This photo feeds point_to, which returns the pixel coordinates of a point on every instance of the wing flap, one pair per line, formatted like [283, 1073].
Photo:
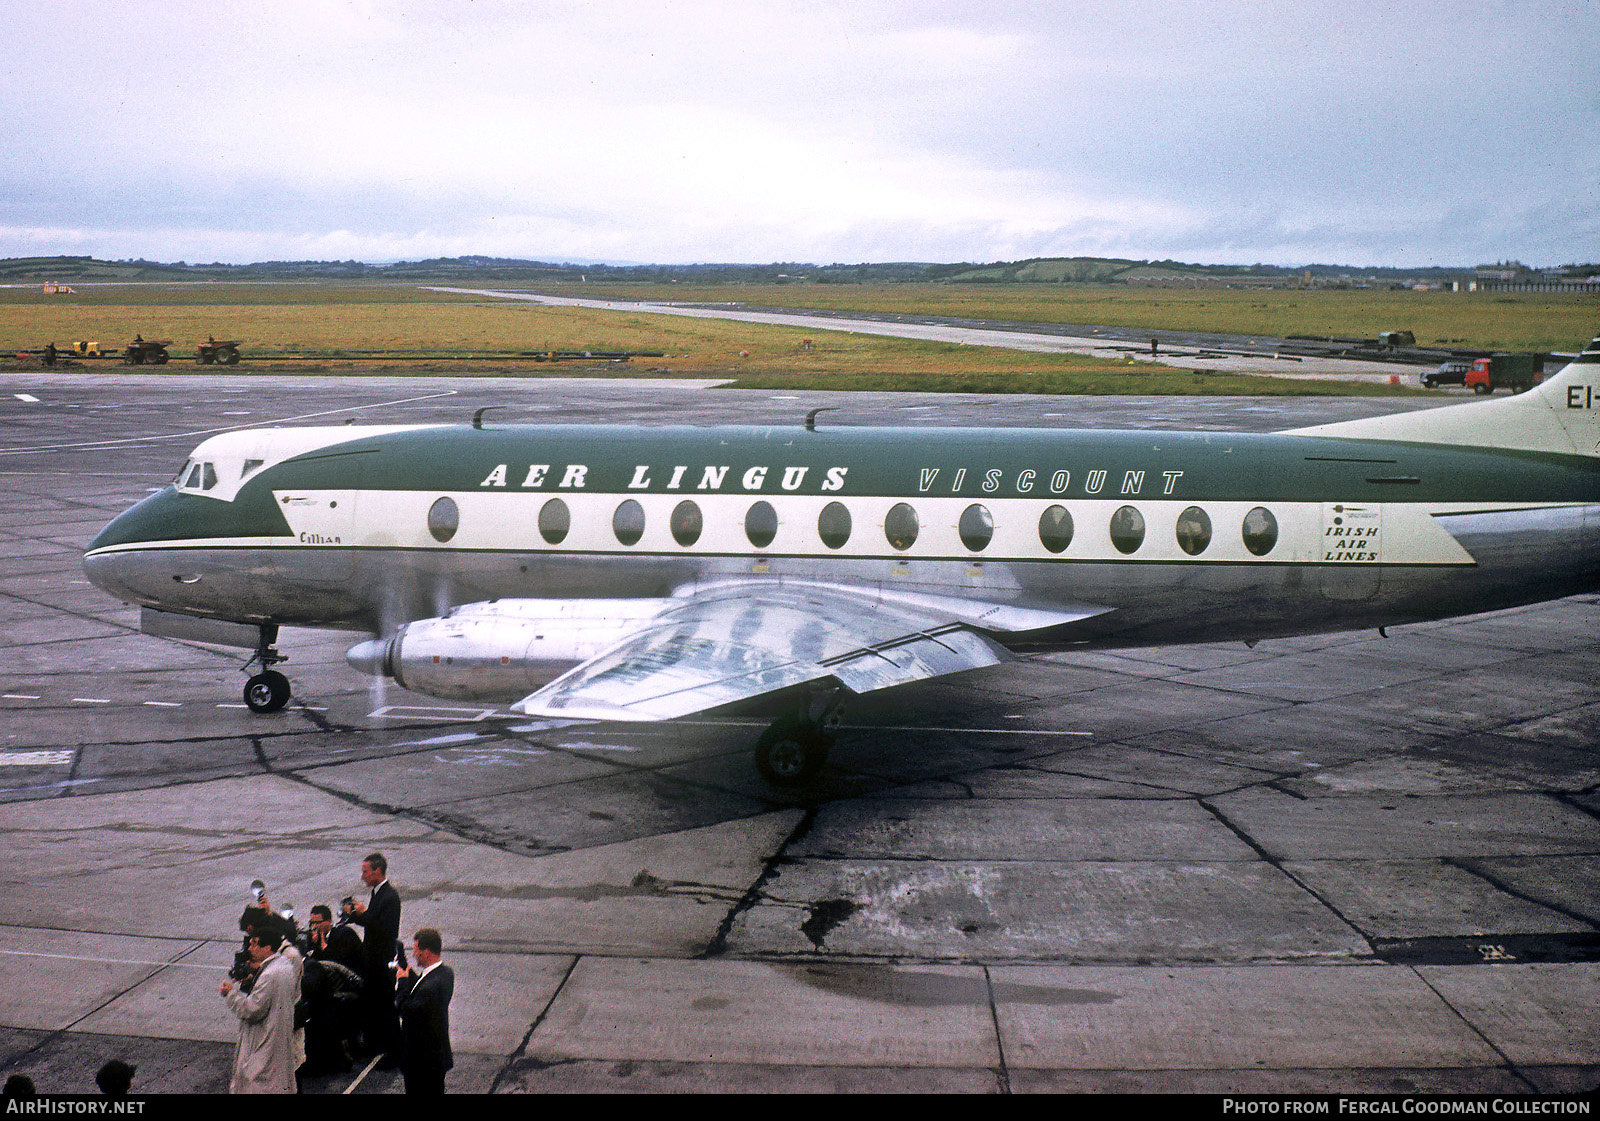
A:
[914, 658]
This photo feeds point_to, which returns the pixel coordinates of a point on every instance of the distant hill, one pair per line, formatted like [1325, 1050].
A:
[1038, 270]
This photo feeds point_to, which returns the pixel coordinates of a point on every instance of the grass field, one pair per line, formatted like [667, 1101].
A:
[388, 322]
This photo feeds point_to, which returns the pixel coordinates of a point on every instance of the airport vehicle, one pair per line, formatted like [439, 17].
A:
[220, 353]
[1450, 372]
[600, 573]
[1515, 372]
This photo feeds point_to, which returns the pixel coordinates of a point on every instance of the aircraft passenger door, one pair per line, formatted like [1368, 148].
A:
[1352, 550]
[322, 518]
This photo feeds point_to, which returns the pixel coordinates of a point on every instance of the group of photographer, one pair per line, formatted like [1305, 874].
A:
[308, 1002]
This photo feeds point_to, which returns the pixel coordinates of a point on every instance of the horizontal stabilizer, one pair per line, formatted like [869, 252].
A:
[1560, 415]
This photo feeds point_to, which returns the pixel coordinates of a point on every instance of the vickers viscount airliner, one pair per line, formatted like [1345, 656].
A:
[622, 573]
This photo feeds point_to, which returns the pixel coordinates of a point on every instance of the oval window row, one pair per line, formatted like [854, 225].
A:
[1258, 530]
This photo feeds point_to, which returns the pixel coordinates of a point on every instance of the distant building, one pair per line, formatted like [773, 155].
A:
[1503, 270]
[53, 288]
[1513, 276]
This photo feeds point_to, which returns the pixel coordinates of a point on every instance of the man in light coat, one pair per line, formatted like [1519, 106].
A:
[265, 1060]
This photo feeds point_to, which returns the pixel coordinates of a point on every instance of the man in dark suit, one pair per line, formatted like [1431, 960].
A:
[331, 987]
[424, 991]
[379, 919]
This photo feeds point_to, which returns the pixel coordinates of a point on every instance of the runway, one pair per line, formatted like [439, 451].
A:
[1180, 348]
[1347, 863]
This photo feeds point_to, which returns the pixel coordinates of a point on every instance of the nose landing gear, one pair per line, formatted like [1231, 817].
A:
[267, 691]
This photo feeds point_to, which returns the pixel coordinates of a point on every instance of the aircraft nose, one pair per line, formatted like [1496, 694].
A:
[371, 657]
[113, 560]
[108, 572]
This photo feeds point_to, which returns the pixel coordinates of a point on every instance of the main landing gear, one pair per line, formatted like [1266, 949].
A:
[267, 691]
[793, 751]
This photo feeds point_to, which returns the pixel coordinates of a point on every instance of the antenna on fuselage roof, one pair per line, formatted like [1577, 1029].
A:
[477, 417]
[811, 417]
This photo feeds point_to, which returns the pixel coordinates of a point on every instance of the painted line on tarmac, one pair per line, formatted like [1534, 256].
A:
[225, 428]
[34, 758]
[425, 712]
[376, 1059]
[110, 961]
[444, 741]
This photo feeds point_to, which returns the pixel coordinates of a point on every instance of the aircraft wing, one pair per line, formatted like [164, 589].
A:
[736, 642]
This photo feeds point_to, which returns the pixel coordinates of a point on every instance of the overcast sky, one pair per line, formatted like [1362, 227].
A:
[1447, 132]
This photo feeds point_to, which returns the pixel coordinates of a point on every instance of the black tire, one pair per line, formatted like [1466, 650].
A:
[266, 692]
[789, 754]
[228, 356]
[1429, 383]
[1482, 390]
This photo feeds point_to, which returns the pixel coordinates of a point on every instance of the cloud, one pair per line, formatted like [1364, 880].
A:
[677, 131]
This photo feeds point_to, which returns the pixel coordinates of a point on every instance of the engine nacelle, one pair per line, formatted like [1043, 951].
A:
[502, 649]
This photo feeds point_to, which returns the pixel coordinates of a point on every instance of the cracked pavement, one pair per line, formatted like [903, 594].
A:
[1335, 863]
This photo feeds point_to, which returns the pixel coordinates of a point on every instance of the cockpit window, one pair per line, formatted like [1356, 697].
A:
[249, 466]
[197, 475]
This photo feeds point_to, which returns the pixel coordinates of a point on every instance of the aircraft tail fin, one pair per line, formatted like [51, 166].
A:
[1561, 414]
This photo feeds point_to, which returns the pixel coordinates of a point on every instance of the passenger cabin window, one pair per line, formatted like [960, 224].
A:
[444, 518]
[1127, 529]
[1194, 531]
[833, 525]
[1260, 531]
[761, 524]
[901, 526]
[554, 521]
[976, 527]
[687, 523]
[628, 522]
[1055, 529]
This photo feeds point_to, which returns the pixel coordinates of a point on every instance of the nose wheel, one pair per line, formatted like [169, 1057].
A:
[267, 691]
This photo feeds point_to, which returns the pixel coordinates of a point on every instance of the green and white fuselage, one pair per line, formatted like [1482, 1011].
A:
[645, 573]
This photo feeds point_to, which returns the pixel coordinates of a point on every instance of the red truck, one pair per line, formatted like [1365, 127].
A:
[1515, 372]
